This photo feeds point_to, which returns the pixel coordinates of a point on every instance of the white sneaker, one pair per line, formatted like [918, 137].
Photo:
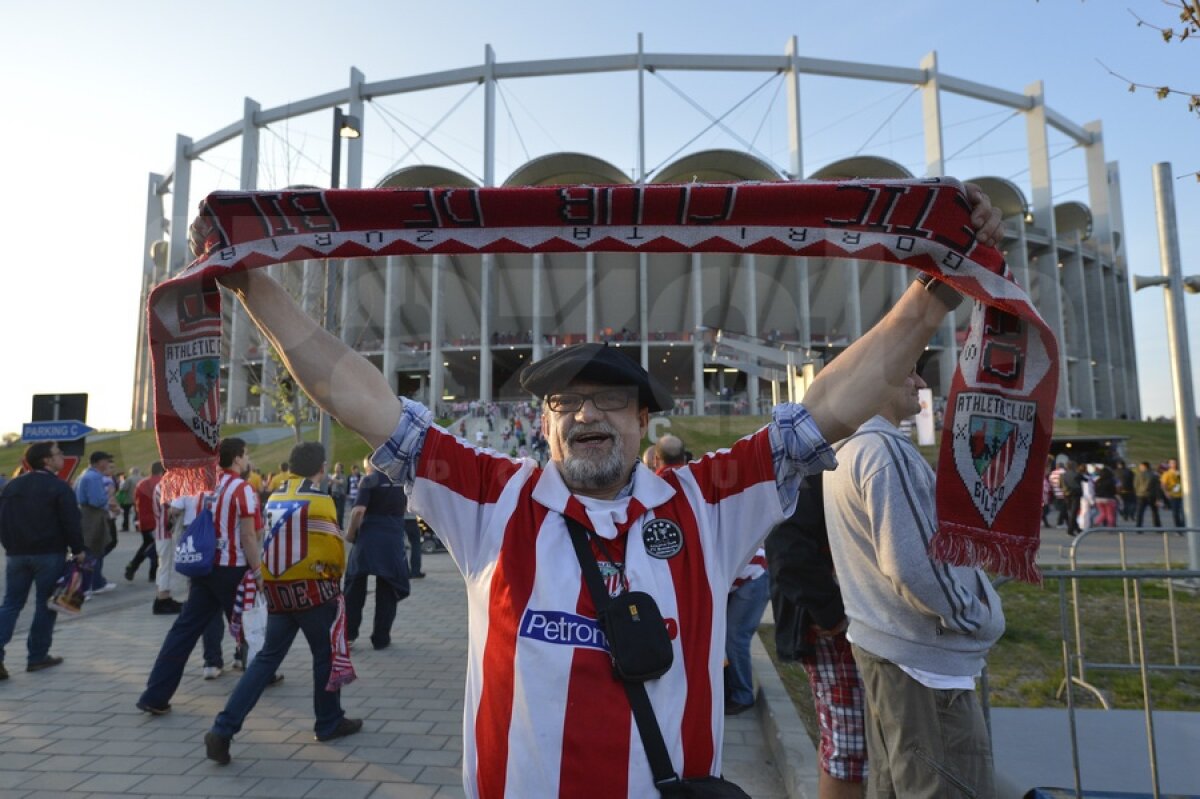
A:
[104, 589]
[212, 672]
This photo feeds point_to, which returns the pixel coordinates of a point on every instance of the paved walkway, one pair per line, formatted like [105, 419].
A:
[74, 731]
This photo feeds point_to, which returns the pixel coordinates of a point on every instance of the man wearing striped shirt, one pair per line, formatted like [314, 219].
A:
[239, 548]
[544, 715]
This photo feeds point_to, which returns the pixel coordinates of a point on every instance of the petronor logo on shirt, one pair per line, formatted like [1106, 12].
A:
[571, 629]
[558, 627]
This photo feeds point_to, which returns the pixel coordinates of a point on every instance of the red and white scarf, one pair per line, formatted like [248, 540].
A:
[341, 671]
[1000, 409]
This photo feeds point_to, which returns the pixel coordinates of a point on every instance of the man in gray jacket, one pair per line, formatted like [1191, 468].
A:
[921, 629]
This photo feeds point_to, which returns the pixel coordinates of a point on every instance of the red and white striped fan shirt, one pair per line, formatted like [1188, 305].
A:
[756, 568]
[544, 715]
[234, 501]
[146, 501]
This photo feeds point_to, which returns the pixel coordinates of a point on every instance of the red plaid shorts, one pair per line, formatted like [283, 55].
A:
[838, 697]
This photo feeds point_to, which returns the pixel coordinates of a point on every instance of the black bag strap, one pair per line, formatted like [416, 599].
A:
[639, 701]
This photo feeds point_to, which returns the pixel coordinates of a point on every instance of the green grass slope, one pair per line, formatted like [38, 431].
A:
[1150, 441]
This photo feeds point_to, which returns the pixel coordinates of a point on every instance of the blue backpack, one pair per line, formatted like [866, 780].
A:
[197, 547]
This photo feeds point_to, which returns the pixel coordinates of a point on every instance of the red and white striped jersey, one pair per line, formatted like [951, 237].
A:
[756, 568]
[162, 515]
[234, 501]
[544, 715]
[148, 504]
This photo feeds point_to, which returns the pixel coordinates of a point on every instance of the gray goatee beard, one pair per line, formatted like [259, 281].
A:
[591, 473]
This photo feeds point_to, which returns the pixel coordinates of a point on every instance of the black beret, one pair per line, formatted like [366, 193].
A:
[595, 363]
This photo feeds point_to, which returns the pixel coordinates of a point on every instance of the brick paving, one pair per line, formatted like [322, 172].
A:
[73, 730]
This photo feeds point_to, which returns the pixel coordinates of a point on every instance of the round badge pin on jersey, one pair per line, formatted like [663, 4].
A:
[663, 538]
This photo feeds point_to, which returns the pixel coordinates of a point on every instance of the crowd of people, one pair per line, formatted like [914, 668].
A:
[43, 520]
[1084, 495]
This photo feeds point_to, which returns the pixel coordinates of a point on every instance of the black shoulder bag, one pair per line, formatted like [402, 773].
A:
[636, 637]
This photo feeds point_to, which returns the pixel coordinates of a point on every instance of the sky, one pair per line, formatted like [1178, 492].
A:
[94, 107]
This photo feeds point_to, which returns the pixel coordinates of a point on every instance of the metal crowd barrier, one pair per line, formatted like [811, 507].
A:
[1075, 663]
[1167, 535]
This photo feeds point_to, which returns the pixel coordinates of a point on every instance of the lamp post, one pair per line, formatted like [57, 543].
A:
[344, 127]
[1174, 284]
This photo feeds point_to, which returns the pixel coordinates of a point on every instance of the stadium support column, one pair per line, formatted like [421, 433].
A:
[1017, 256]
[589, 295]
[156, 222]
[796, 172]
[311, 287]
[1126, 382]
[803, 302]
[181, 186]
[1045, 290]
[698, 333]
[1099, 201]
[795, 146]
[354, 147]
[391, 292]
[488, 265]
[437, 372]
[538, 333]
[1099, 294]
[643, 263]
[854, 325]
[1077, 294]
[178, 252]
[641, 115]
[239, 337]
[644, 308]
[351, 269]
[750, 272]
[935, 167]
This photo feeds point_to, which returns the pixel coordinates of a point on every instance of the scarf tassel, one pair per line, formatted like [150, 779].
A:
[1012, 555]
[189, 480]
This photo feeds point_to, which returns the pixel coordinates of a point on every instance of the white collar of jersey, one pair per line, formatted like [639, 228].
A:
[605, 514]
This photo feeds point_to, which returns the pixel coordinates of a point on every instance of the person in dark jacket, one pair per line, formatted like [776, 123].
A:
[39, 522]
[1148, 489]
[1125, 494]
[1106, 497]
[1072, 488]
[376, 528]
[810, 626]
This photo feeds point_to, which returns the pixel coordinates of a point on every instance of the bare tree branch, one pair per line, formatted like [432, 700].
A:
[1161, 92]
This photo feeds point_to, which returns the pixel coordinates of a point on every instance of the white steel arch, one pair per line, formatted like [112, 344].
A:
[484, 317]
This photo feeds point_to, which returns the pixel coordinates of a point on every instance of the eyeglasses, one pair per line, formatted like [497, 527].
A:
[609, 399]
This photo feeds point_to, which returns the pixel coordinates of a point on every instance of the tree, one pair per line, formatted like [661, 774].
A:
[1189, 17]
[291, 405]
[10, 438]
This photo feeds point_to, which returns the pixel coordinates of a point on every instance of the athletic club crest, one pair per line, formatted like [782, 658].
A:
[193, 385]
[992, 438]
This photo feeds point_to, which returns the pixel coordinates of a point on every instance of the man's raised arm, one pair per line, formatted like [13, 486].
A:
[343, 383]
[846, 392]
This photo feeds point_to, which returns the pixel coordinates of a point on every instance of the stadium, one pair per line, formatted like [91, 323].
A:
[727, 333]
